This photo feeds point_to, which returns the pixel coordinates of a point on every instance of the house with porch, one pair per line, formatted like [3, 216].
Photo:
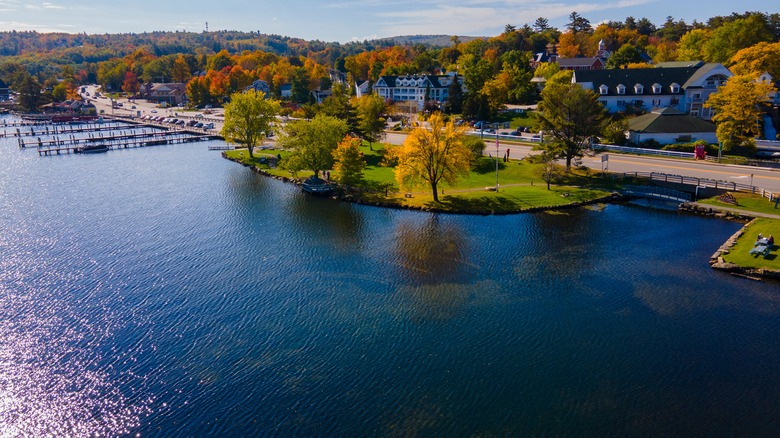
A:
[411, 88]
[667, 85]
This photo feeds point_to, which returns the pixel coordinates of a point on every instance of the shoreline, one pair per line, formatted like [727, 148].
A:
[346, 197]
[716, 260]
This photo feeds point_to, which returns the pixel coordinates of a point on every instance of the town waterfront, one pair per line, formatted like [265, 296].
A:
[169, 292]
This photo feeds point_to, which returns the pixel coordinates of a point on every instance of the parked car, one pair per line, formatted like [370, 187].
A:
[199, 125]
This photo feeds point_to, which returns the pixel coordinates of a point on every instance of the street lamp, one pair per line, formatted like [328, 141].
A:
[496, 160]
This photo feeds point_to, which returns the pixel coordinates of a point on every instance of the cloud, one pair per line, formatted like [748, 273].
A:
[47, 5]
[22, 26]
[480, 17]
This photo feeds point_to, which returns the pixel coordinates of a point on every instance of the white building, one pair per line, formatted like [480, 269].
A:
[683, 86]
[411, 88]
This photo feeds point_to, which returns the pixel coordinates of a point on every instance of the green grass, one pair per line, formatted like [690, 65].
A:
[740, 252]
[520, 186]
[746, 201]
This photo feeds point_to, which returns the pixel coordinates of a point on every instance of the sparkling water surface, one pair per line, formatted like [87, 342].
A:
[166, 291]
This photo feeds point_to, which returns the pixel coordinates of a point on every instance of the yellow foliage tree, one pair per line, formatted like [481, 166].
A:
[432, 155]
[349, 162]
[738, 109]
[760, 58]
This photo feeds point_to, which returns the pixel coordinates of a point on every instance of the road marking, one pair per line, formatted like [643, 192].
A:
[696, 169]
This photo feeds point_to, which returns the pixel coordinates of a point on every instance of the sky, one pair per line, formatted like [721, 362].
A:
[345, 20]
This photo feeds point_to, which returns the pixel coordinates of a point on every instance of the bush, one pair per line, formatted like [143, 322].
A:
[711, 149]
[650, 144]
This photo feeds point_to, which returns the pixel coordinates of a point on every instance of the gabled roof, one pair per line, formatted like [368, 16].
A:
[630, 77]
[669, 121]
[3, 84]
[578, 62]
[678, 64]
[391, 81]
[701, 73]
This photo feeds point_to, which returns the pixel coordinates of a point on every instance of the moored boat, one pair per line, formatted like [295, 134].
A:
[92, 148]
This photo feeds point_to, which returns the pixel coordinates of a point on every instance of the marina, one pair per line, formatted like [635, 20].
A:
[56, 139]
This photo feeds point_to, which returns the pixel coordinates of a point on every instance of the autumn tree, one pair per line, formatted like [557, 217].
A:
[349, 162]
[248, 117]
[692, 45]
[180, 71]
[432, 155]
[131, 85]
[569, 115]
[738, 108]
[762, 58]
[312, 143]
[625, 55]
[727, 40]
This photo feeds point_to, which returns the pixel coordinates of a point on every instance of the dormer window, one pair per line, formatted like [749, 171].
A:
[656, 88]
[675, 87]
[603, 89]
[621, 89]
[639, 89]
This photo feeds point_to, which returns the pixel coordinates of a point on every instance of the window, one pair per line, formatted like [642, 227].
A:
[695, 113]
[715, 81]
[621, 89]
[639, 103]
[656, 88]
[696, 97]
[603, 102]
[674, 102]
[675, 87]
[621, 103]
[603, 89]
[639, 89]
[656, 102]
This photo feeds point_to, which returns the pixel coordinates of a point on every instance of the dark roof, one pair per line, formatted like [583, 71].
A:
[578, 62]
[3, 84]
[669, 121]
[632, 76]
[433, 79]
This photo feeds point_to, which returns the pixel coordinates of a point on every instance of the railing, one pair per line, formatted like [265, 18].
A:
[697, 182]
[657, 192]
[643, 151]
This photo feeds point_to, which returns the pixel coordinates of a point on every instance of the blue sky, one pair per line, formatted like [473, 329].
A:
[344, 20]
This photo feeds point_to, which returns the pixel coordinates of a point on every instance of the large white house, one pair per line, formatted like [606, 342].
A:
[683, 86]
[411, 88]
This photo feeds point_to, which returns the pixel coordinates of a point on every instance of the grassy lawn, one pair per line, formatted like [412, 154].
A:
[740, 252]
[745, 201]
[520, 185]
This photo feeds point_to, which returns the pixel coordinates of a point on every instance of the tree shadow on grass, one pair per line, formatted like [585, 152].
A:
[487, 165]
[481, 204]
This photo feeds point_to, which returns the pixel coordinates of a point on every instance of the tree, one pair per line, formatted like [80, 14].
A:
[692, 44]
[340, 106]
[761, 58]
[299, 88]
[737, 106]
[431, 155]
[130, 85]
[569, 115]
[454, 104]
[549, 171]
[370, 109]
[30, 97]
[349, 162]
[732, 37]
[626, 54]
[180, 72]
[577, 23]
[248, 117]
[541, 24]
[312, 143]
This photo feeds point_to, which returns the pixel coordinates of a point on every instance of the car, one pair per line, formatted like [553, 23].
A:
[132, 107]
[192, 123]
[198, 116]
[208, 126]
[154, 111]
[199, 125]
[181, 122]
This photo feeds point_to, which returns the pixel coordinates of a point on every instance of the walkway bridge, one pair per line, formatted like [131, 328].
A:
[658, 193]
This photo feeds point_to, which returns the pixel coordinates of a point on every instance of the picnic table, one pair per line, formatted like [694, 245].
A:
[760, 249]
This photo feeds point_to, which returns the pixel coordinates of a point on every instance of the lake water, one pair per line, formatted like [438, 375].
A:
[168, 292]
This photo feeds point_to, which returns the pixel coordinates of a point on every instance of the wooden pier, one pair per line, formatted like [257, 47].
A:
[63, 129]
[124, 143]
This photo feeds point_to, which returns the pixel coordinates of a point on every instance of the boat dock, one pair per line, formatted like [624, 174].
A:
[119, 133]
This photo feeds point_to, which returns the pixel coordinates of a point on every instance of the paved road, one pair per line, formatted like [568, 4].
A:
[765, 178]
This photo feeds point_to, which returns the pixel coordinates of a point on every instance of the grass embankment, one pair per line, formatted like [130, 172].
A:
[520, 185]
[739, 254]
